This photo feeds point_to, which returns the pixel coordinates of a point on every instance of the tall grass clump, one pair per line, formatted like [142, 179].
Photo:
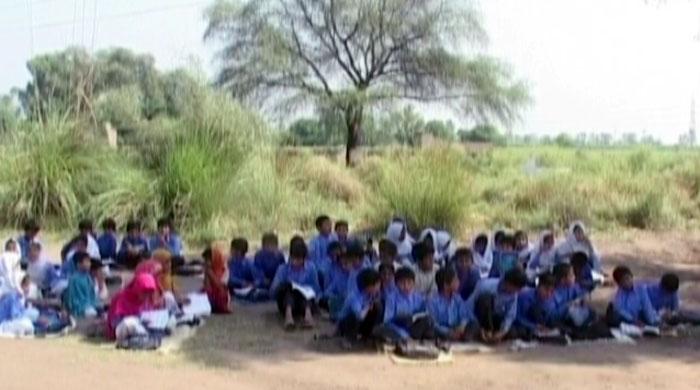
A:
[427, 188]
[327, 178]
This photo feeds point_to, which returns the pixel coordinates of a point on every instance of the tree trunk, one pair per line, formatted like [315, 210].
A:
[353, 122]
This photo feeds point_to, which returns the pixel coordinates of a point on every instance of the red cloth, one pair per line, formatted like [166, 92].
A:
[214, 287]
[131, 301]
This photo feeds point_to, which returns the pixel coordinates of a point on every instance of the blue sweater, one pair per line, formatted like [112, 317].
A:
[662, 300]
[357, 304]
[267, 263]
[563, 296]
[242, 272]
[107, 243]
[305, 276]
[173, 244]
[633, 305]
[528, 302]
[318, 252]
[447, 313]
[505, 304]
[467, 281]
[399, 309]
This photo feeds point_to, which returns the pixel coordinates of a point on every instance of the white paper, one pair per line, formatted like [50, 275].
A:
[306, 291]
[549, 333]
[199, 305]
[651, 330]
[156, 319]
[242, 292]
[631, 330]
[418, 316]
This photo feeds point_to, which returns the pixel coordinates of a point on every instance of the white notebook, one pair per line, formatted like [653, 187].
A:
[199, 305]
[156, 319]
[306, 291]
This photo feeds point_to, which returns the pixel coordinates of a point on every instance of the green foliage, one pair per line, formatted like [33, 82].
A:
[482, 134]
[120, 107]
[9, 114]
[428, 188]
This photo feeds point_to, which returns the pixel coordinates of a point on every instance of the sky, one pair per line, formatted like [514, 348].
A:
[614, 66]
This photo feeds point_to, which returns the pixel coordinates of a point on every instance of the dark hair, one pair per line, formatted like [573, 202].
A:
[498, 237]
[561, 271]
[85, 224]
[80, 239]
[620, 272]
[508, 240]
[482, 239]
[519, 234]
[109, 224]
[546, 280]
[366, 278]
[133, 224]
[297, 248]
[95, 264]
[320, 220]
[31, 226]
[420, 251]
[35, 244]
[354, 249]
[341, 223]
[516, 278]
[579, 260]
[334, 246]
[383, 267]
[240, 244]
[78, 257]
[444, 277]
[463, 252]
[388, 247]
[9, 242]
[270, 238]
[163, 222]
[207, 253]
[404, 273]
[670, 282]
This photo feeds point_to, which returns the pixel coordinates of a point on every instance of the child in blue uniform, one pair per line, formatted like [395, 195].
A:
[107, 242]
[494, 305]
[536, 309]
[447, 309]
[291, 302]
[318, 246]
[631, 303]
[362, 311]
[663, 296]
[268, 258]
[244, 280]
[405, 312]
[336, 292]
[467, 274]
[134, 246]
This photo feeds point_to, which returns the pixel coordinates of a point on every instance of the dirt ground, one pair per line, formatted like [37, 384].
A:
[248, 350]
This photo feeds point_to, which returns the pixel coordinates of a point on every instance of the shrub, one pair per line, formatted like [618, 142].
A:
[429, 188]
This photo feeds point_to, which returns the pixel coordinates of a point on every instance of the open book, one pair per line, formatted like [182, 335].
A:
[548, 333]
[636, 331]
[199, 305]
[418, 316]
[156, 319]
[242, 292]
[306, 291]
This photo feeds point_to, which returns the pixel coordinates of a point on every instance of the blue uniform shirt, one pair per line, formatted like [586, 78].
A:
[528, 302]
[357, 304]
[305, 276]
[447, 313]
[505, 304]
[662, 300]
[267, 262]
[400, 307]
[633, 305]
[242, 272]
[173, 244]
[107, 243]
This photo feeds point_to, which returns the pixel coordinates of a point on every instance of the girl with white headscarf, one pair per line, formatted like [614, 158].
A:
[577, 241]
[543, 256]
[10, 269]
[398, 234]
[482, 254]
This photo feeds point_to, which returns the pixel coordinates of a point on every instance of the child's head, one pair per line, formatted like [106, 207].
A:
[545, 286]
[514, 280]
[564, 274]
[324, 225]
[239, 247]
[133, 228]
[429, 239]
[31, 228]
[335, 250]
[34, 251]
[387, 251]
[670, 283]
[297, 252]
[109, 225]
[386, 271]
[270, 242]
[548, 242]
[82, 261]
[85, 226]
[25, 284]
[80, 244]
[579, 261]
[10, 245]
[405, 280]
[498, 238]
[355, 253]
[342, 228]
[369, 281]
[423, 255]
[206, 255]
[623, 277]
[579, 232]
[480, 244]
[164, 226]
[521, 241]
[507, 243]
[463, 258]
[447, 281]
[96, 267]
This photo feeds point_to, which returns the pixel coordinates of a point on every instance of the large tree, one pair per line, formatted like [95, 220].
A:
[353, 54]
